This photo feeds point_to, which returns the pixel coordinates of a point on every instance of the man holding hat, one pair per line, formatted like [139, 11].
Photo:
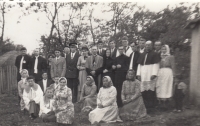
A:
[72, 71]
[58, 65]
[127, 49]
[22, 62]
[101, 51]
[148, 66]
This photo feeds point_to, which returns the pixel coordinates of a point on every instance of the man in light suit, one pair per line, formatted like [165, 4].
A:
[58, 65]
[22, 62]
[45, 82]
[93, 63]
[72, 71]
[38, 66]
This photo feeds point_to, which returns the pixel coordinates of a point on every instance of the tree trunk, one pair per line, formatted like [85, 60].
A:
[91, 28]
[52, 28]
[3, 25]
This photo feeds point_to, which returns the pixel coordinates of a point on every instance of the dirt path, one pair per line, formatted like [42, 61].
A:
[10, 115]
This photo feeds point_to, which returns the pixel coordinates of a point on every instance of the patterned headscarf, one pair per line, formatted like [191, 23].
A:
[167, 51]
[62, 79]
[109, 80]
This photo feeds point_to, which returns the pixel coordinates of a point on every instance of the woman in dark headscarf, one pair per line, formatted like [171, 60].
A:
[133, 104]
[88, 93]
[106, 69]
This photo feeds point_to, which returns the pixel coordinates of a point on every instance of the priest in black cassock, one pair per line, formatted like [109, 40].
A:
[148, 66]
[121, 67]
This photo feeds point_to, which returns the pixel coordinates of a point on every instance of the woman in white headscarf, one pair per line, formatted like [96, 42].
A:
[164, 84]
[62, 105]
[107, 109]
[21, 85]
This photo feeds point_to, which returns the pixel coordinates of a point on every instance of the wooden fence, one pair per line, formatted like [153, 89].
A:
[8, 80]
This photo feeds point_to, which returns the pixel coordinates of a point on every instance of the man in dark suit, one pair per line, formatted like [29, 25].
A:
[45, 82]
[72, 71]
[38, 66]
[134, 58]
[113, 49]
[22, 62]
[101, 51]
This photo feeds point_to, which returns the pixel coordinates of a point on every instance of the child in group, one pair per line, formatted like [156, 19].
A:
[179, 94]
[46, 109]
[21, 85]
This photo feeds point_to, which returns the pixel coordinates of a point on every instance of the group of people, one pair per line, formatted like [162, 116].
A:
[132, 78]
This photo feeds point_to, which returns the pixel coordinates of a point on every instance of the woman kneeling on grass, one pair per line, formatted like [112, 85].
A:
[107, 110]
[46, 109]
[133, 105]
[88, 94]
[62, 105]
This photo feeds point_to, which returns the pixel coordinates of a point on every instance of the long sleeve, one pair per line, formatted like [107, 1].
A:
[137, 91]
[82, 92]
[79, 63]
[44, 65]
[139, 70]
[112, 98]
[20, 90]
[43, 108]
[69, 98]
[93, 91]
[155, 69]
[26, 97]
[172, 63]
[122, 93]
[64, 68]
[39, 95]
[52, 70]
[16, 62]
[98, 97]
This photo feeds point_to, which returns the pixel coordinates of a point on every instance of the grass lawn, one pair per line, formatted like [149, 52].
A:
[10, 115]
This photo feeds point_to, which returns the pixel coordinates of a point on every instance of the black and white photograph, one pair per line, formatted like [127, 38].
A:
[99, 63]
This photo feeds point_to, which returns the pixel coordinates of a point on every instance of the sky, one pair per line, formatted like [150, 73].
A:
[30, 28]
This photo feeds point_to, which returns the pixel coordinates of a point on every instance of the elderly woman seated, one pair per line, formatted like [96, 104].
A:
[32, 95]
[133, 105]
[88, 94]
[107, 110]
[62, 105]
[46, 109]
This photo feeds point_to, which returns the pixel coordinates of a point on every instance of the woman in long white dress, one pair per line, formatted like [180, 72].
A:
[164, 83]
[107, 109]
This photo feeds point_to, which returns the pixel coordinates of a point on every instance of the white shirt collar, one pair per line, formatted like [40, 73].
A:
[58, 57]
